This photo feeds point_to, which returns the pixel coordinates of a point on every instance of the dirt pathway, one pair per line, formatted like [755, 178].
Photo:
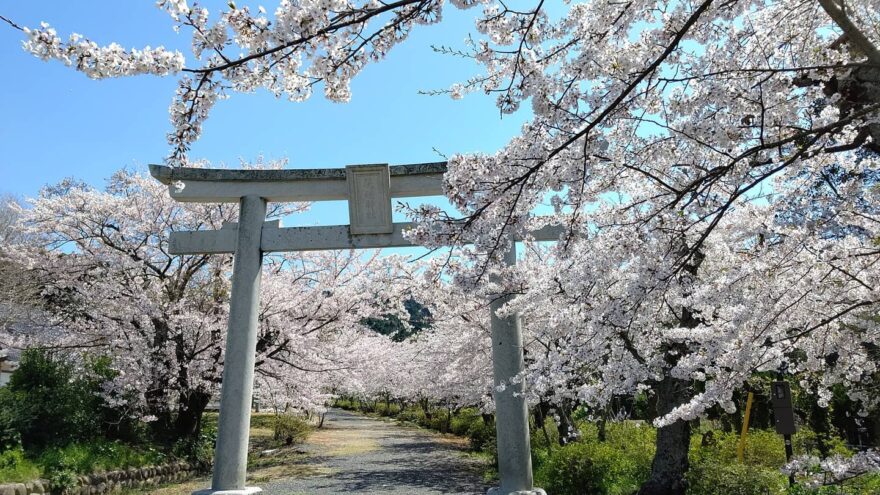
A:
[356, 454]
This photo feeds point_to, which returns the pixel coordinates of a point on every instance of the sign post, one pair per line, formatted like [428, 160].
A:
[741, 448]
[783, 415]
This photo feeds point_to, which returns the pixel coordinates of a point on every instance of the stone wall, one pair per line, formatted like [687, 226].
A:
[112, 481]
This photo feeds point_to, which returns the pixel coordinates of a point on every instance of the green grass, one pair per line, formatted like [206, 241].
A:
[16, 468]
[622, 462]
[98, 456]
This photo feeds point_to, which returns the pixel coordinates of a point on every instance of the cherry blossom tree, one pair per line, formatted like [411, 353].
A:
[715, 164]
[757, 300]
[301, 45]
[19, 295]
[447, 363]
[102, 264]
[644, 146]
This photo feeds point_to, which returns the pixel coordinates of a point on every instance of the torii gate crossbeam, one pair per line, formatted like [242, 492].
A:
[368, 190]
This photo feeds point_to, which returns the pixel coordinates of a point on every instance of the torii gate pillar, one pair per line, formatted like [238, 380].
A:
[230, 454]
[511, 412]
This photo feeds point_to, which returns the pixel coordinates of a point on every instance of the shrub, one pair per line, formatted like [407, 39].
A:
[390, 409]
[96, 456]
[481, 436]
[805, 441]
[15, 467]
[464, 421]
[47, 405]
[636, 441]
[10, 438]
[591, 467]
[63, 481]
[415, 415]
[722, 478]
[290, 429]
[763, 449]
[201, 448]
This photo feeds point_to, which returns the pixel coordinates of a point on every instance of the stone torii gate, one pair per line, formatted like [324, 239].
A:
[368, 190]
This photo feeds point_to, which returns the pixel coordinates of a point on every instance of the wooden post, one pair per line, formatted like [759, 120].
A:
[741, 448]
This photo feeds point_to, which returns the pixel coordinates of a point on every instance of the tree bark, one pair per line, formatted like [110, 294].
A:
[488, 419]
[819, 422]
[671, 459]
[567, 429]
[541, 422]
[188, 423]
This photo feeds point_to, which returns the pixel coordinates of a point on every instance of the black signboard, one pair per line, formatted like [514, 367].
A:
[783, 412]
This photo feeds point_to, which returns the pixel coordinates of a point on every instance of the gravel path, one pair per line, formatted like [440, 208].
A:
[356, 454]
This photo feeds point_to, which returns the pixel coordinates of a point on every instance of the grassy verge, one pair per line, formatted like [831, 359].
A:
[273, 453]
[16, 466]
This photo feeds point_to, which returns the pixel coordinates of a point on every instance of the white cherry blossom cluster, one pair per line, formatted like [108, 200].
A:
[299, 45]
[100, 62]
[833, 470]
[714, 166]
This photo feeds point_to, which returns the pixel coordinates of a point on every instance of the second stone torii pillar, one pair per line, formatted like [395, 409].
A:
[511, 412]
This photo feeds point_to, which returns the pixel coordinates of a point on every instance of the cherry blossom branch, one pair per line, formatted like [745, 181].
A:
[853, 33]
[14, 25]
[370, 13]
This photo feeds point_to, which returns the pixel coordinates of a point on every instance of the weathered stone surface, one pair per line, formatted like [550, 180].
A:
[38, 488]
[369, 200]
[167, 175]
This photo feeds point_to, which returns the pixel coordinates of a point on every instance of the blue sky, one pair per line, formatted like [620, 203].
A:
[57, 123]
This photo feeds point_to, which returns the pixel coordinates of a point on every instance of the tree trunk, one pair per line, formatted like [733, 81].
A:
[541, 422]
[819, 422]
[188, 423]
[873, 430]
[673, 441]
[448, 418]
[425, 408]
[671, 459]
[568, 431]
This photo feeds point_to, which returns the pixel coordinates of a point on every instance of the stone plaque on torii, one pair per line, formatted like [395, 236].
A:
[368, 189]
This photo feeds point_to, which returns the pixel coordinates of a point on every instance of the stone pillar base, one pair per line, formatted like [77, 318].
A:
[248, 490]
[533, 491]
